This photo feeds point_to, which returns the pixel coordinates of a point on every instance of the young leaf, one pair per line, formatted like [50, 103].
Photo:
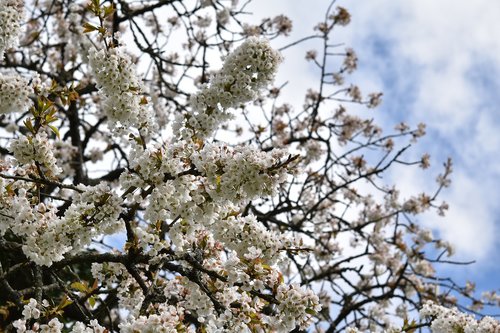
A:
[80, 286]
[87, 27]
[55, 130]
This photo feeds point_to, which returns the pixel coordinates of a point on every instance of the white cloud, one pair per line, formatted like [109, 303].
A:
[439, 46]
[469, 221]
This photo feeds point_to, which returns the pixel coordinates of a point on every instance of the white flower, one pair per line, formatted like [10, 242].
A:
[14, 93]
[168, 318]
[28, 150]
[20, 325]
[30, 310]
[451, 320]
[245, 72]
[11, 14]
[47, 237]
[116, 77]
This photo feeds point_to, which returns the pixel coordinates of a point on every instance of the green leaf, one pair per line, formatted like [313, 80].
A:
[311, 312]
[217, 182]
[55, 130]
[29, 125]
[92, 301]
[80, 286]
[108, 10]
[64, 302]
[87, 27]
[102, 30]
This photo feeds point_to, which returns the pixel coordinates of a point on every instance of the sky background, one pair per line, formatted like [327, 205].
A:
[436, 62]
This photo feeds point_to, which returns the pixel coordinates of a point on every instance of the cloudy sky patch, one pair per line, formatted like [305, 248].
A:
[436, 62]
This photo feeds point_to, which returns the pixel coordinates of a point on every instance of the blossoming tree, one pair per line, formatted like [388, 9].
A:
[141, 190]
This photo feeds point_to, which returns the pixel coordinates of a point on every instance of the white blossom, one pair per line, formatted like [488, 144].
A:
[166, 321]
[239, 173]
[33, 309]
[444, 320]
[36, 149]
[11, 14]
[14, 94]
[47, 237]
[116, 77]
[246, 71]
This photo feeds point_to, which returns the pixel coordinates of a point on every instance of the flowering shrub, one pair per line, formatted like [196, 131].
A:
[142, 191]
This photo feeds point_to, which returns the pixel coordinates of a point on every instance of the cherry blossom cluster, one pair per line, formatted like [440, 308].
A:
[123, 100]
[36, 150]
[240, 173]
[40, 228]
[357, 330]
[130, 296]
[451, 320]
[295, 306]
[167, 320]
[151, 166]
[250, 239]
[14, 93]
[201, 186]
[47, 237]
[222, 178]
[94, 211]
[245, 72]
[11, 14]
[177, 197]
[33, 311]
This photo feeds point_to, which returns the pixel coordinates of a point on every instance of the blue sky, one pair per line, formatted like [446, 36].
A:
[436, 62]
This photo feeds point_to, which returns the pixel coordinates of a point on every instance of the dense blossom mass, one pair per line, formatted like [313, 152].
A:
[14, 93]
[123, 102]
[11, 15]
[141, 190]
[245, 72]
